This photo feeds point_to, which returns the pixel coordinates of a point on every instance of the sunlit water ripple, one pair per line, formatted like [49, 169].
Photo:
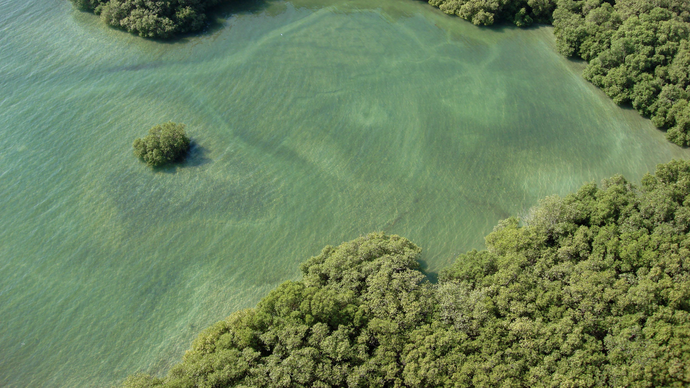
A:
[313, 123]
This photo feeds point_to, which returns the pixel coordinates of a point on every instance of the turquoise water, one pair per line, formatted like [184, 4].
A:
[313, 122]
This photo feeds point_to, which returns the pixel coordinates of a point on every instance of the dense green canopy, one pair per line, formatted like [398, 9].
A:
[485, 13]
[151, 18]
[638, 50]
[638, 53]
[589, 290]
[165, 143]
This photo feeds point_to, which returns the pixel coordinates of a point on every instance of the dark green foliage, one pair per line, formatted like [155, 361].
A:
[345, 324]
[481, 12]
[593, 290]
[165, 143]
[583, 292]
[151, 18]
[638, 50]
[638, 53]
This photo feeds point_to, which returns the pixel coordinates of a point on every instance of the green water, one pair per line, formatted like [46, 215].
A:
[315, 122]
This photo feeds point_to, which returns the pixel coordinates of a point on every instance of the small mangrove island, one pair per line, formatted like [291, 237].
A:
[165, 143]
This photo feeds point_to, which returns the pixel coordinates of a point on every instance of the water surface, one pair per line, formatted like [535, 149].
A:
[314, 122]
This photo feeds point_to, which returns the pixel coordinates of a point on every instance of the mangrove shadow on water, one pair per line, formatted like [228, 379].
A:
[196, 157]
[219, 14]
[430, 275]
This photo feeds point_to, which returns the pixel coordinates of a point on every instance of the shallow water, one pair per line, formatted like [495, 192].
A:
[314, 122]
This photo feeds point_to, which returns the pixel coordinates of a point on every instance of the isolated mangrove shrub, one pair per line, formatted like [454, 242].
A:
[590, 290]
[165, 143]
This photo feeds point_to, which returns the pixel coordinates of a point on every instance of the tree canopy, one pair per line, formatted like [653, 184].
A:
[638, 53]
[165, 143]
[638, 50]
[588, 290]
[485, 13]
[151, 18]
